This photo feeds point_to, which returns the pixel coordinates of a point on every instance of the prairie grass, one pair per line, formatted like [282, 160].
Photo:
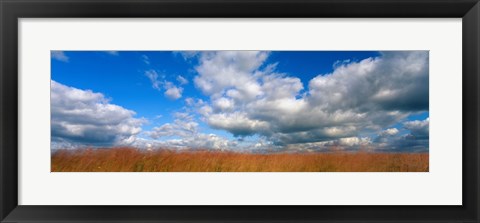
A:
[135, 160]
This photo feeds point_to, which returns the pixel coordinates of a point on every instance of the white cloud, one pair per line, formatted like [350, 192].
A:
[197, 141]
[182, 80]
[59, 55]
[221, 70]
[341, 144]
[153, 76]
[389, 132]
[185, 128]
[87, 118]
[248, 97]
[353, 141]
[417, 140]
[172, 92]
[237, 123]
[177, 128]
[395, 81]
[418, 128]
[223, 104]
[184, 125]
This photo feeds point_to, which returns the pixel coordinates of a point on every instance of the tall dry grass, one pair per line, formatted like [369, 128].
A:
[134, 160]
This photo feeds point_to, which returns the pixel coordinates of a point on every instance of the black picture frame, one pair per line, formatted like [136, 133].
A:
[12, 10]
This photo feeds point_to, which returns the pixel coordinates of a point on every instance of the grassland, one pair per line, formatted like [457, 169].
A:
[135, 160]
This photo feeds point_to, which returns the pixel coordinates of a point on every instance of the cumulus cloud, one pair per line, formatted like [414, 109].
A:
[183, 126]
[88, 118]
[223, 104]
[249, 97]
[185, 130]
[389, 132]
[418, 128]
[395, 81]
[172, 92]
[416, 140]
[237, 123]
[222, 70]
[59, 55]
[197, 141]
[341, 144]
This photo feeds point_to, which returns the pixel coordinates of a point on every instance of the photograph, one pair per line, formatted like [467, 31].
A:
[239, 111]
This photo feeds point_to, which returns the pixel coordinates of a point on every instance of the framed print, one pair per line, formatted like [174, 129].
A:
[234, 111]
[245, 125]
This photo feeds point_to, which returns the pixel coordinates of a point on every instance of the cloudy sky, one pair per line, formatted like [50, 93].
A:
[252, 101]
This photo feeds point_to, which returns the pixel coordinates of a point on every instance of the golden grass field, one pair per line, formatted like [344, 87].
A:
[134, 160]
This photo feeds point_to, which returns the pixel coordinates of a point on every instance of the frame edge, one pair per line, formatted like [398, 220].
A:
[9, 111]
[471, 116]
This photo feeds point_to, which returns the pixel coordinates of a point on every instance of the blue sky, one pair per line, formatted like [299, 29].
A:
[241, 100]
